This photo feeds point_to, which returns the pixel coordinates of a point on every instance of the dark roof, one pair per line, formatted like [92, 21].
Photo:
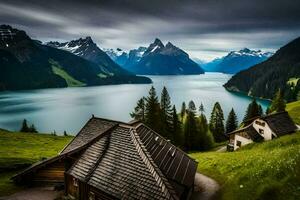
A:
[92, 129]
[251, 132]
[280, 123]
[117, 164]
[119, 159]
[172, 161]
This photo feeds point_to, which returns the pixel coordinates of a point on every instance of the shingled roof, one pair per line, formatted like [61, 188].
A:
[130, 161]
[280, 123]
[251, 132]
[92, 129]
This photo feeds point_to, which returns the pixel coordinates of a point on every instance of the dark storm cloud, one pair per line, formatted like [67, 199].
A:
[201, 27]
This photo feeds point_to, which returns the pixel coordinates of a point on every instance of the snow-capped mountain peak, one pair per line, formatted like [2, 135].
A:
[156, 46]
[249, 52]
[114, 53]
[76, 47]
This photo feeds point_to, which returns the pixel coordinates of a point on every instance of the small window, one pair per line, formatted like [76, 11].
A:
[75, 182]
[260, 123]
[91, 196]
[261, 131]
[238, 143]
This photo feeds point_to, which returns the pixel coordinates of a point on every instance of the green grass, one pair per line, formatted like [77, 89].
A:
[20, 149]
[72, 82]
[269, 170]
[294, 111]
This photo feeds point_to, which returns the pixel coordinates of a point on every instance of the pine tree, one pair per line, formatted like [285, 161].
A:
[176, 128]
[268, 111]
[190, 127]
[32, 129]
[24, 127]
[183, 111]
[278, 103]
[201, 108]
[231, 123]
[204, 137]
[216, 123]
[260, 110]
[253, 110]
[152, 111]
[139, 110]
[166, 114]
[65, 133]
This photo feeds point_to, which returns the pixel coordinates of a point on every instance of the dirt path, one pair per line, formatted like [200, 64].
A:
[45, 193]
[222, 149]
[205, 188]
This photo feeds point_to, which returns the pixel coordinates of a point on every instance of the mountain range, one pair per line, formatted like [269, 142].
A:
[280, 71]
[236, 61]
[159, 59]
[29, 64]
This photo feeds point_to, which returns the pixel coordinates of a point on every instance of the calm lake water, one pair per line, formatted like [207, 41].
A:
[69, 108]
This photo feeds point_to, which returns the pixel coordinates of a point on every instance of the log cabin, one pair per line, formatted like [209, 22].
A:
[262, 129]
[115, 160]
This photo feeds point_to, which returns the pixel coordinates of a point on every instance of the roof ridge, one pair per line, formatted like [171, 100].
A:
[159, 177]
[240, 129]
[94, 138]
[272, 114]
[61, 155]
[99, 159]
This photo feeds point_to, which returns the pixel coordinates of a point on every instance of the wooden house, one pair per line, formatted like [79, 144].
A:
[115, 160]
[261, 129]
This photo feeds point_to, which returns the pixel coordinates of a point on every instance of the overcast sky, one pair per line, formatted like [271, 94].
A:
[204, 28]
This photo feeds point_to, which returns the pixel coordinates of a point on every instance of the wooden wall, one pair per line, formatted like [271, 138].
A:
[50, 174]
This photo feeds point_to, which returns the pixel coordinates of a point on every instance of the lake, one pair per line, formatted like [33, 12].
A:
[70, 108]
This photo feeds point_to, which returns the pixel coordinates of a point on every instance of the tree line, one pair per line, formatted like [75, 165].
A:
[190, 129]
[25, 128]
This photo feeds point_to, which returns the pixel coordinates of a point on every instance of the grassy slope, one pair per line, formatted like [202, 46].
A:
[72, 82]
[294, 111]
[269, 170]
[24, 148]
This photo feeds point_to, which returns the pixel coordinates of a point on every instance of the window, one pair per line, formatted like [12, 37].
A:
[260, 123]
[261, 131]
[91, 196]
[238, 143]
[75, 182]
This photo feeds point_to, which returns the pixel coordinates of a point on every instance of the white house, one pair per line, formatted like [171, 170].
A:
[262, 128]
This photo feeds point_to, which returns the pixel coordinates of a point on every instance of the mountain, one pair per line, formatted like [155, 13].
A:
[118, 56]
[160, 59]
[126, 59]
[134, 56]
[28, 64]
[236, 61]
[209, 66]
[87, 49]
[282, 70]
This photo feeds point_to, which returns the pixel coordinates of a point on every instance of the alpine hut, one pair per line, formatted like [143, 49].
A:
[115, 160]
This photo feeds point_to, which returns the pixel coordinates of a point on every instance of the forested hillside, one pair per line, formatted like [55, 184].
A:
[282, 70]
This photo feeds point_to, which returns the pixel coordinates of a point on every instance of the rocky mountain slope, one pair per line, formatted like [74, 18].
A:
[160, 59]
